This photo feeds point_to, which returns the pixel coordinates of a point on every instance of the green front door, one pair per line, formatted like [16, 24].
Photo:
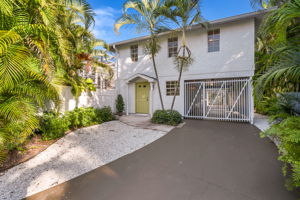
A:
[142, 97]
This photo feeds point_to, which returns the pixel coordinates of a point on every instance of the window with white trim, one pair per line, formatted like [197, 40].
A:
[134, 53]
[171, 88]
[213, 40]
[173, 46]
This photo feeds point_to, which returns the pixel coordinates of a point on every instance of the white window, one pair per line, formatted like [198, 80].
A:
[171, 88]
[173, 46]
[134, 49]
[213, 40]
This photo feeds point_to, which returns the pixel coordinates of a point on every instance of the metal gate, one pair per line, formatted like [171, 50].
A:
[229, 100]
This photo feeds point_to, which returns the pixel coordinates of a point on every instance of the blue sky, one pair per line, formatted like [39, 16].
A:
[107, 11]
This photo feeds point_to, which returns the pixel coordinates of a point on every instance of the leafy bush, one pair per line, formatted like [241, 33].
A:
[266, 106]
[14, 135]
[53, 126]
[120, 104]
[104, 114]
[279, 107]
[82, 117]
[167, 117]
[288, 132]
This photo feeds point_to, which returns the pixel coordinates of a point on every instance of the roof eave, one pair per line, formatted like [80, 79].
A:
[198, 26]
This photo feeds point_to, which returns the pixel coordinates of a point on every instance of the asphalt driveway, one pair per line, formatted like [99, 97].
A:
[204, 160]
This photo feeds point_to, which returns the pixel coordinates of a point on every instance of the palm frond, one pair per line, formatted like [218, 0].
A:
[284, 75]
[12, 65]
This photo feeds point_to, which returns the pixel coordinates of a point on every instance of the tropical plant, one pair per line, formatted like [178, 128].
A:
[266, 3]
[279, 60]
[84, 49]
[146, 16]
[184, 13]
[278, 74]
[24, 61]
[289, 134]
[40, 42]
[81, 117]
[53, 126]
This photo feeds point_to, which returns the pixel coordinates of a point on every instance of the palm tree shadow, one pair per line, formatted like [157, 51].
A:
[36, 178]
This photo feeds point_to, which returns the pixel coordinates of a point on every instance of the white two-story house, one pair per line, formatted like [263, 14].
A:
[217, 85]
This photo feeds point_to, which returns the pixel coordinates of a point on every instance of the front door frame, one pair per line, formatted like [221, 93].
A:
[149, 97]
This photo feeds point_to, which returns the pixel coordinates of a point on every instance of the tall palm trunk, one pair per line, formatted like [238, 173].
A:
[180, 69]
[157, 78]
[178, 81]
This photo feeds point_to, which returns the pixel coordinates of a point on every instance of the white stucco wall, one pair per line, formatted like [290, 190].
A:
[235, 59]
[97, 99]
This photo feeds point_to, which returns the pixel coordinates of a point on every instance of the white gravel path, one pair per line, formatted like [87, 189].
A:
[75, 154]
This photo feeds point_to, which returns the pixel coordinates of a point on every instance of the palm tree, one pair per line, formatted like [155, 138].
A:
[184, 13]
[267, 3]
[281, 61]
[38, 40]
[83, 48]
[146, 16]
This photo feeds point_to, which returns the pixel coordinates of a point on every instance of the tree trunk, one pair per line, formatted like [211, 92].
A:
[158, 85]
[179, 79]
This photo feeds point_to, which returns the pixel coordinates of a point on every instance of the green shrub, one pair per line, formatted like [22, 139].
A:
[120, 104]
[167, 117]
[282, 103]
[104, 114]
[266, 106]
[82, 117]
[288, 132]
[14, 135]
[53, 126]
[73, 118]
[87, 117]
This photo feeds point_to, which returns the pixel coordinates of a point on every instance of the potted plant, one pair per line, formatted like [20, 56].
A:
[120, 105]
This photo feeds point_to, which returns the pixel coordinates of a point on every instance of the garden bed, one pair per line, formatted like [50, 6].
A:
[30, 149]
[52, 127]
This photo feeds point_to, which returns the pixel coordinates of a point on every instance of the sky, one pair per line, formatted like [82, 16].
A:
[107, 11]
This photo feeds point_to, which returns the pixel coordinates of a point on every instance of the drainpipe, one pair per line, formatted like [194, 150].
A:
[117, 68]
[127, 100]
[251, 100]
[151, 98]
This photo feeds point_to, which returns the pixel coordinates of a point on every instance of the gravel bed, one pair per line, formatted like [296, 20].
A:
[77, 153]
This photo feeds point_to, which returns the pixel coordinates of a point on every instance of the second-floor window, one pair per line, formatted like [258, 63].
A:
[213, 40]
[134, 53]
[173, 46]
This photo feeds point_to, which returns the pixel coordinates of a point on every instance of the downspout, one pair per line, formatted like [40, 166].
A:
[117, 68]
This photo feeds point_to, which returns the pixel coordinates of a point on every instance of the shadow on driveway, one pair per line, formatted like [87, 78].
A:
[204, 160]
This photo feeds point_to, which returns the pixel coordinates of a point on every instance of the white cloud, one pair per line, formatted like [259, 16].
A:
[104, 25]
[104, 22]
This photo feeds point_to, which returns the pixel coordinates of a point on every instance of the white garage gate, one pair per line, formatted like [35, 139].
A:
[219, 99]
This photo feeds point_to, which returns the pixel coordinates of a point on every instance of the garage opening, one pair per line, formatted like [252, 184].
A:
[219, 99]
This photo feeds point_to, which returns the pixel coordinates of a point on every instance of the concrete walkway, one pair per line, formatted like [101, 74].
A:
[261, 122]
[204, 160]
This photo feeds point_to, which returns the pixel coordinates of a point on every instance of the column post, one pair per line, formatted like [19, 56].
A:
[127, 100]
